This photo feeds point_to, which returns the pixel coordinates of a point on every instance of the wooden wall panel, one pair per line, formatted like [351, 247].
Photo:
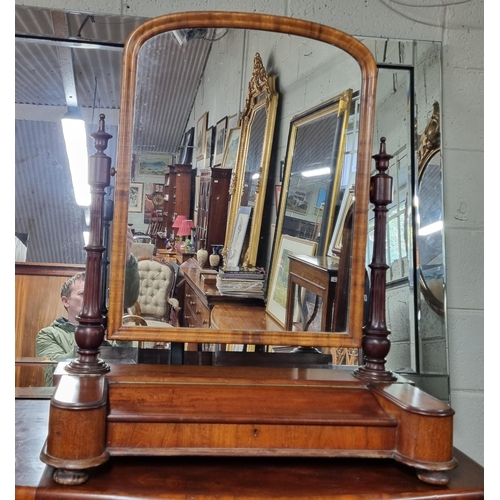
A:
[38, 303]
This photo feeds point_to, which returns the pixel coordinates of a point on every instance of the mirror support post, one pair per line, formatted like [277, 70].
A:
[89, 333]
[375, 342]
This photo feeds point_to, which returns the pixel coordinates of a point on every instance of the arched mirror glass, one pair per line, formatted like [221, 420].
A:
[320, 73]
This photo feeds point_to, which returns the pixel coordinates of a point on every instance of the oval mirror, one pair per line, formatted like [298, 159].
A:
[224, 44]
[430, 209]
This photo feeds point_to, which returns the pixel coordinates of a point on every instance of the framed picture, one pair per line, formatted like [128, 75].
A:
[135, 197]
[298, 201]
[232, 121]
[186, 150]
[289, 245]
[153, 164]
[231, 148]
[235, 248]
[320, 203]
[209, 146]
[201, 134]
[347, 201]
[220, 141]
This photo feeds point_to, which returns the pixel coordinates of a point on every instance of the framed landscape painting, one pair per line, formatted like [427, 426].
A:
[153, 164]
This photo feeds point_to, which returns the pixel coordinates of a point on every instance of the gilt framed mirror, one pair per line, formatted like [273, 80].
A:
[313, 168]
[249, 181]
[430, 231]
[155, 43]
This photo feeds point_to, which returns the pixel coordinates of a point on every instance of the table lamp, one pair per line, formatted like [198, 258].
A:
[185, 230]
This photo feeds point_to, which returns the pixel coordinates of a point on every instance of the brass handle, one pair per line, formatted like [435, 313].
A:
[205, 321]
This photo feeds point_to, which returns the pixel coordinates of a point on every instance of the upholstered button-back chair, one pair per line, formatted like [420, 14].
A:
[140, 249]
[156, 304]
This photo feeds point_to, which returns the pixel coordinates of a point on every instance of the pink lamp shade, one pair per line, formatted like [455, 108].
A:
[185, 229]
[178, 221]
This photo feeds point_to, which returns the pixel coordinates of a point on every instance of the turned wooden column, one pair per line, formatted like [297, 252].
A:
[90, 331]
[375, 342]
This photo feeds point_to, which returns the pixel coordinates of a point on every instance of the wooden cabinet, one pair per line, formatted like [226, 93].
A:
[196, 310]
[178, 194]
[201, 295]
[213, 204]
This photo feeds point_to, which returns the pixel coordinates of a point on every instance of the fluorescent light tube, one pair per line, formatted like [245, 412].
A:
[316, 172]
[75, 137]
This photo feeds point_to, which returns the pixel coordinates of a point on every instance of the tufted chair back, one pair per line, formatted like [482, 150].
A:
[157, 284]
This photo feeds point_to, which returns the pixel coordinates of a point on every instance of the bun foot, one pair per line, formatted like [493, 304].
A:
[433, 476]
[70, 477]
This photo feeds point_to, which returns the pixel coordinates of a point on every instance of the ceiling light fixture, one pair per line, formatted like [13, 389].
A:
[316, 172]
[75, 137]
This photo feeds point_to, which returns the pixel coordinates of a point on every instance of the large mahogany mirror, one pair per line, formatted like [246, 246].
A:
[409, 81]
[319, 49]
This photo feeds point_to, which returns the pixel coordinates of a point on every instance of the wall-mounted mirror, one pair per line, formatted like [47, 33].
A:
[249, 182]
[322, 70]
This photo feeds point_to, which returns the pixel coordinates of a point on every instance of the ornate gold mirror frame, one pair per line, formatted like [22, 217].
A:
[368, 70]
[429, 149]
[334, 114]
[249, 180]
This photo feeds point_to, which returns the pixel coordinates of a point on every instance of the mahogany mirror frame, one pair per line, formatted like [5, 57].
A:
[241, 20]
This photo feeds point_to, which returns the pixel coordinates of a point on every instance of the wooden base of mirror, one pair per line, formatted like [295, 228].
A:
[148, 410]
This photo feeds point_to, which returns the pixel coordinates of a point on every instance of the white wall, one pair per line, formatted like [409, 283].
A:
[460, 28]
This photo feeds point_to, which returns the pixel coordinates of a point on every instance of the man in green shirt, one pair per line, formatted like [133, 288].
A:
[57, 341]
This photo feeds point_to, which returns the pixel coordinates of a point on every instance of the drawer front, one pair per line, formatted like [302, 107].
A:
[196, 313]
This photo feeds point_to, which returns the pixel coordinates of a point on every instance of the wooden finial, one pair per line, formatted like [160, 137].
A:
[375, 342]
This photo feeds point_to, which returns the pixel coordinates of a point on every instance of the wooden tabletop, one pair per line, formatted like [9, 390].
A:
[224, 478]
[251, 317]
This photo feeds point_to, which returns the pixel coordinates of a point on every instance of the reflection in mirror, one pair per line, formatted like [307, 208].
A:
[430, 234]
[430, 209]
[249, 182]
[319, 71]
[409, 84]
[313, 170]
[308, 208]
[48, 218]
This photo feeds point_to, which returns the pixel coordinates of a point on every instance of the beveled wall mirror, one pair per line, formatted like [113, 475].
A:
[249, 181]
[319, 75]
